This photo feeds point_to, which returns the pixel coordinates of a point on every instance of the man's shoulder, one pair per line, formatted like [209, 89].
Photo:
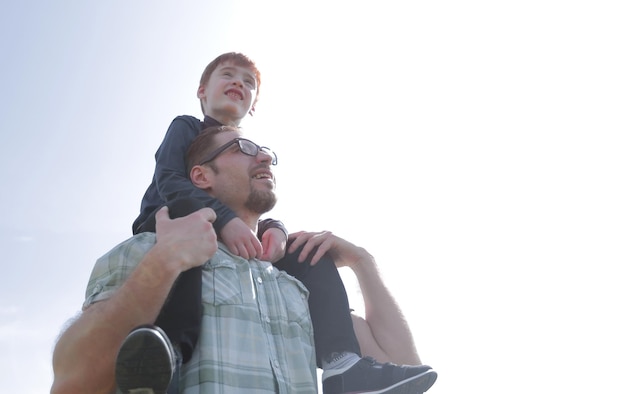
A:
[112, 269]
[143, 240]
[126, 254]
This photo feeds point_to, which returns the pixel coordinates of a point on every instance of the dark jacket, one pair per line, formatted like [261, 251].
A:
[170, 179]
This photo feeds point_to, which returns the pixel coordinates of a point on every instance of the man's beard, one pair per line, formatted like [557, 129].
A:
[261, 201]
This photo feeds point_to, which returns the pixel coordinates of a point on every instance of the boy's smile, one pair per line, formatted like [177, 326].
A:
[234, 94]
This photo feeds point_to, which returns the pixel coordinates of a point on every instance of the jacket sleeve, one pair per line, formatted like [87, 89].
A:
[172, 180]
[270, 223]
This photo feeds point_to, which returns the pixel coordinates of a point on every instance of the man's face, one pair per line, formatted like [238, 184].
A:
[242, 181]
[229, 93]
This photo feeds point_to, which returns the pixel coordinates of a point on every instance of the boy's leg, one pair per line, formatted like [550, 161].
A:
[328, 304]
[181, 315]
[150, 357]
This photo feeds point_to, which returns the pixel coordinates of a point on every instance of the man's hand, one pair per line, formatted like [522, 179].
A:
[343, 252]
[189, 241]
[240, 240]
[274, 244]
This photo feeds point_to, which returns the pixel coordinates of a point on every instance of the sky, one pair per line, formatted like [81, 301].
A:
[476, 149]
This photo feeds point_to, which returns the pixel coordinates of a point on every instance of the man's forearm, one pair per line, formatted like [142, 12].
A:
[386, 321]
[84, 357]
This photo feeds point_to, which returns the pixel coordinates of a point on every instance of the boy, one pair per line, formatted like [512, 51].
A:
[228, 91]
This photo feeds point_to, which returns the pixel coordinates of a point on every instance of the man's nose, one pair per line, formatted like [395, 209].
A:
[264, 157]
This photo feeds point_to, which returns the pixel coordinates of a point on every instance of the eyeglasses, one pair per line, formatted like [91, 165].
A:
[246, 147]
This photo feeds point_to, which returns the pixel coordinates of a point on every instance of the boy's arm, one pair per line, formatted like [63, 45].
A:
[266, 224]
[273, 235]
[170, 172]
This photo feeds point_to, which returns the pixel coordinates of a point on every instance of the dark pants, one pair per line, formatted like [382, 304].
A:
[328, 304]
[181, 315]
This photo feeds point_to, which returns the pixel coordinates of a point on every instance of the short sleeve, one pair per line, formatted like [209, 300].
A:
[112, 269]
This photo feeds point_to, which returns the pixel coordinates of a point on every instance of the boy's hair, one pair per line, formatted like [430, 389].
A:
[204, 144]
[238, 59]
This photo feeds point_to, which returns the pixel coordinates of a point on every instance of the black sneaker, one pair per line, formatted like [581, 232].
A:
[369, 376]
[146, 361]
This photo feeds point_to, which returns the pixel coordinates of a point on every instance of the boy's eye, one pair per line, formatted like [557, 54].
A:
[228, 73]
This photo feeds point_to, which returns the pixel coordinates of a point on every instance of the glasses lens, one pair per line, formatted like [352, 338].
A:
[248, 147]
[251, 149]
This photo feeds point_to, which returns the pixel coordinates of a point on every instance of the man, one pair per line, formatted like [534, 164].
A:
[256, 334]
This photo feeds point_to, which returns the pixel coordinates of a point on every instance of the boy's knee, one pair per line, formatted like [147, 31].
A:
[184, 206]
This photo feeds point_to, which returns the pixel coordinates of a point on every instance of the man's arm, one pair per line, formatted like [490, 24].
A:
[84, 356]
[384, 333]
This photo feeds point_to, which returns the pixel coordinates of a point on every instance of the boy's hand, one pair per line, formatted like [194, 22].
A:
[240, 240]
[274, 244]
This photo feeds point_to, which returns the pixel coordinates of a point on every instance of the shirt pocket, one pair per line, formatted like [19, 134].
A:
[296, 300]
[221, 284]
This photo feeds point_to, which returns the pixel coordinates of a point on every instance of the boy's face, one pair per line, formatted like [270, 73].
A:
[229, 93]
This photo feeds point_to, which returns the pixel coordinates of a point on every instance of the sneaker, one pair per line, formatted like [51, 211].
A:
[145, 362]
[369, 376]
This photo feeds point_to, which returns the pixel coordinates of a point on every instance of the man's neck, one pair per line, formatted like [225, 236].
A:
[251, 220]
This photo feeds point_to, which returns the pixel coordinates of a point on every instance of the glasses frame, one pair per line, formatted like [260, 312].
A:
[213, 155]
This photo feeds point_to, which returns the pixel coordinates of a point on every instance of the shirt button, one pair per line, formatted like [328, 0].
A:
[267, 319]
[259, 280]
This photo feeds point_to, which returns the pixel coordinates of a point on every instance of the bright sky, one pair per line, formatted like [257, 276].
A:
[475, 148]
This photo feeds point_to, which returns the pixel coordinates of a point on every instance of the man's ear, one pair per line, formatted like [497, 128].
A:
[201, 177]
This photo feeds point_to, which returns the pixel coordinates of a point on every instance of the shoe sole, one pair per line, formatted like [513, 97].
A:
[414, 385]
[144, 363]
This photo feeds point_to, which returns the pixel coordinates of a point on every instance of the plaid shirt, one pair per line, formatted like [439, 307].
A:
[256, 335]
